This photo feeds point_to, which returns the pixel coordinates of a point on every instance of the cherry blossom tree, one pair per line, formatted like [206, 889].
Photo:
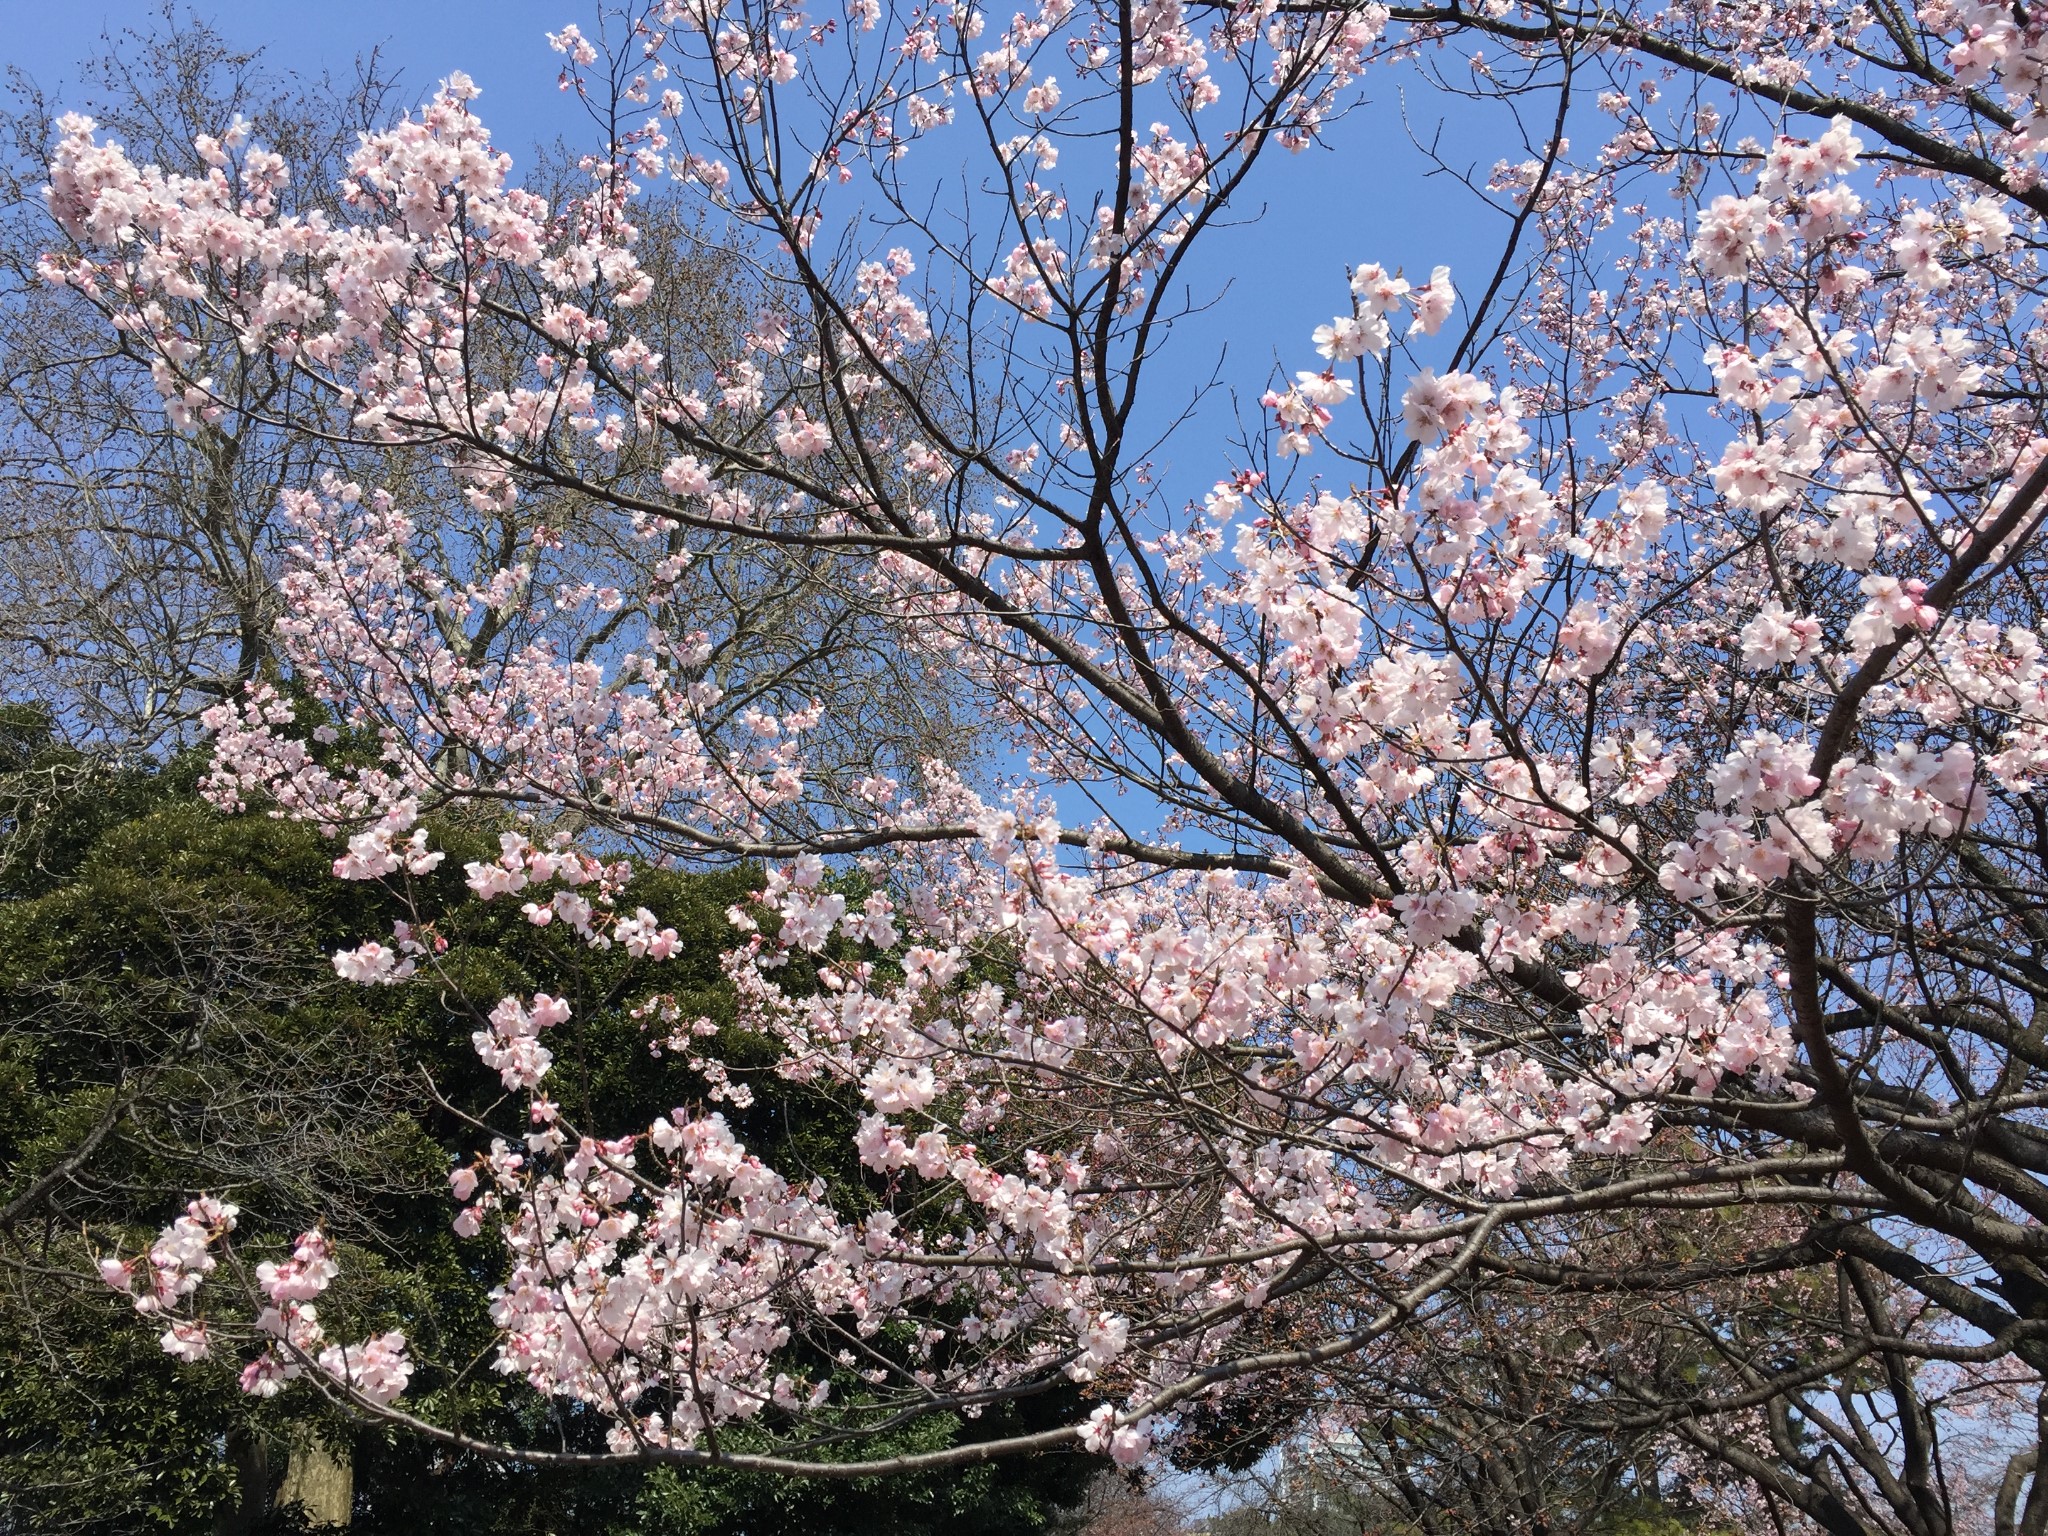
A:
[1597, 707]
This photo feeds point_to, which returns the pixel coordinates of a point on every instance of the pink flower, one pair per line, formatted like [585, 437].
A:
[1433, 303]
[377, 1369]
[186, 1341]
[372, 963]
[798, 437]
[1434, 407]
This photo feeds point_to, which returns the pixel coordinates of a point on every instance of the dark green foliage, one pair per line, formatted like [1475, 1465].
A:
[54, 802]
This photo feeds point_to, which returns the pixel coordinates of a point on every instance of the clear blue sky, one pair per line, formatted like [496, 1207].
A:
[499, 42]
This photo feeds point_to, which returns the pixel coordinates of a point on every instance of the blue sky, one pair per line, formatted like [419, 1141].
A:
[499, 42]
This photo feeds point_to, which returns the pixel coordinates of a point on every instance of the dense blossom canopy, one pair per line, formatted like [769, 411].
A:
[1598, 707]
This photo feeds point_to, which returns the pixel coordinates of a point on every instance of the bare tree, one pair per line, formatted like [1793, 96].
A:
[137, 561]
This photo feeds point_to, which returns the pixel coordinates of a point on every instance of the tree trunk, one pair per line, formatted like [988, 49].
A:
[321, 1483]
